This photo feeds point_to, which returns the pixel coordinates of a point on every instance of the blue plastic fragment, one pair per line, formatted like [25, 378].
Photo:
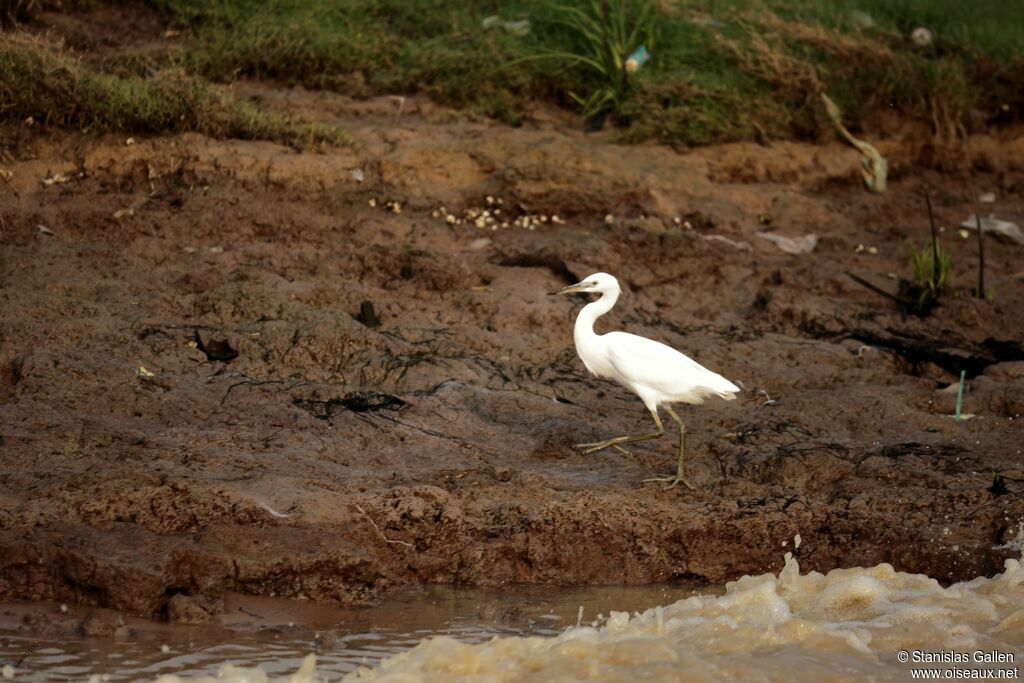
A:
[637, 59]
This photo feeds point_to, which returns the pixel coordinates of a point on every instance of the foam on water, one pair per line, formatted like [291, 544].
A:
[845, 625]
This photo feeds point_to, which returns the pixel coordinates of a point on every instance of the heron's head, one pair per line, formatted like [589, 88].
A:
[598, 283]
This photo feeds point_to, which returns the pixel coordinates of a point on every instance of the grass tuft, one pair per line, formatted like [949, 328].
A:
[41, 82]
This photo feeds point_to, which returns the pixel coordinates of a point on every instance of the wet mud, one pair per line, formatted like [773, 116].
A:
[405, 396]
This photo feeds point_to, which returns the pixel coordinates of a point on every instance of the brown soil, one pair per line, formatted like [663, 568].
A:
[437, 447]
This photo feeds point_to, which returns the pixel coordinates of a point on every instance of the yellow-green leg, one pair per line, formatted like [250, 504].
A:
[601, 445]
[676, 478]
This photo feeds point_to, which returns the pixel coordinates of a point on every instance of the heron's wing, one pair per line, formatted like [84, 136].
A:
[661, 369]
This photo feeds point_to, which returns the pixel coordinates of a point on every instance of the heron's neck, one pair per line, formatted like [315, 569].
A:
[591, 312]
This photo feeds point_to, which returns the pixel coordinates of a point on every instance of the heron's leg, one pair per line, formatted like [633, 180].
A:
[676, 478]
[601, 445]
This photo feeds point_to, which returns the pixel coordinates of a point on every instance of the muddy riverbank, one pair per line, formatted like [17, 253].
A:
[346, 452]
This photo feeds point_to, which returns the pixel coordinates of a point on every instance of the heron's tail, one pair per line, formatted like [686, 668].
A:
[723, 388]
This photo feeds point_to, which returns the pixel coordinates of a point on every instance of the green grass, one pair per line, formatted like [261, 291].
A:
[721, 69]
[43, 83]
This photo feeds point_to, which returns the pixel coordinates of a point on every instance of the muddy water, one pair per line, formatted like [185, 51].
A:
[277, 634]
[849, 624]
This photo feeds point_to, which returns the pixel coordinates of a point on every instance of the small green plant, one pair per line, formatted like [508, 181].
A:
[931, 274]
[932, 266]
[604, 33]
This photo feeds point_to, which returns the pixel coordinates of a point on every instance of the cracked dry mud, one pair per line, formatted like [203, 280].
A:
[333, 460]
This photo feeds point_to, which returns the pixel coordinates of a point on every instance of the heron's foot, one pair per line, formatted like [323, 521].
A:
[673, 480]
[595, 446]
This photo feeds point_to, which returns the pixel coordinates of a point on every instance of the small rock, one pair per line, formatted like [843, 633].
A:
[101, 622]
[182, 609]
[1008, 370]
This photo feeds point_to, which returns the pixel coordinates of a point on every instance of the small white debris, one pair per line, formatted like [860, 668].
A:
[217, 250]
[144, 373]
[987, 197]
[165, 648]
[995, 226]
[742, 246]
[124, 213]
[556, 220]
[8, 671]
[435, 213]
[357, 175]
[922, 36]
[609, 219]
[56, 179]
[797, 541]
[489, 199]
[450, 219]
[64, 608]
[6, 176]
[372, 202]
[45, 230]
[872, 250]
[963, 234]
[859, 249]
[274, 512]
[792, 245]
[129, 142]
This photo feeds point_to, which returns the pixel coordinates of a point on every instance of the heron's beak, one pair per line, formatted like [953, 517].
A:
[571, 289]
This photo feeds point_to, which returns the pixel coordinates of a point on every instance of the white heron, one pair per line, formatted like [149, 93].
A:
[655, 372]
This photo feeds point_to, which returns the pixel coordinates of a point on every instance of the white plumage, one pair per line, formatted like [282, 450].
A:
[655, 372]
